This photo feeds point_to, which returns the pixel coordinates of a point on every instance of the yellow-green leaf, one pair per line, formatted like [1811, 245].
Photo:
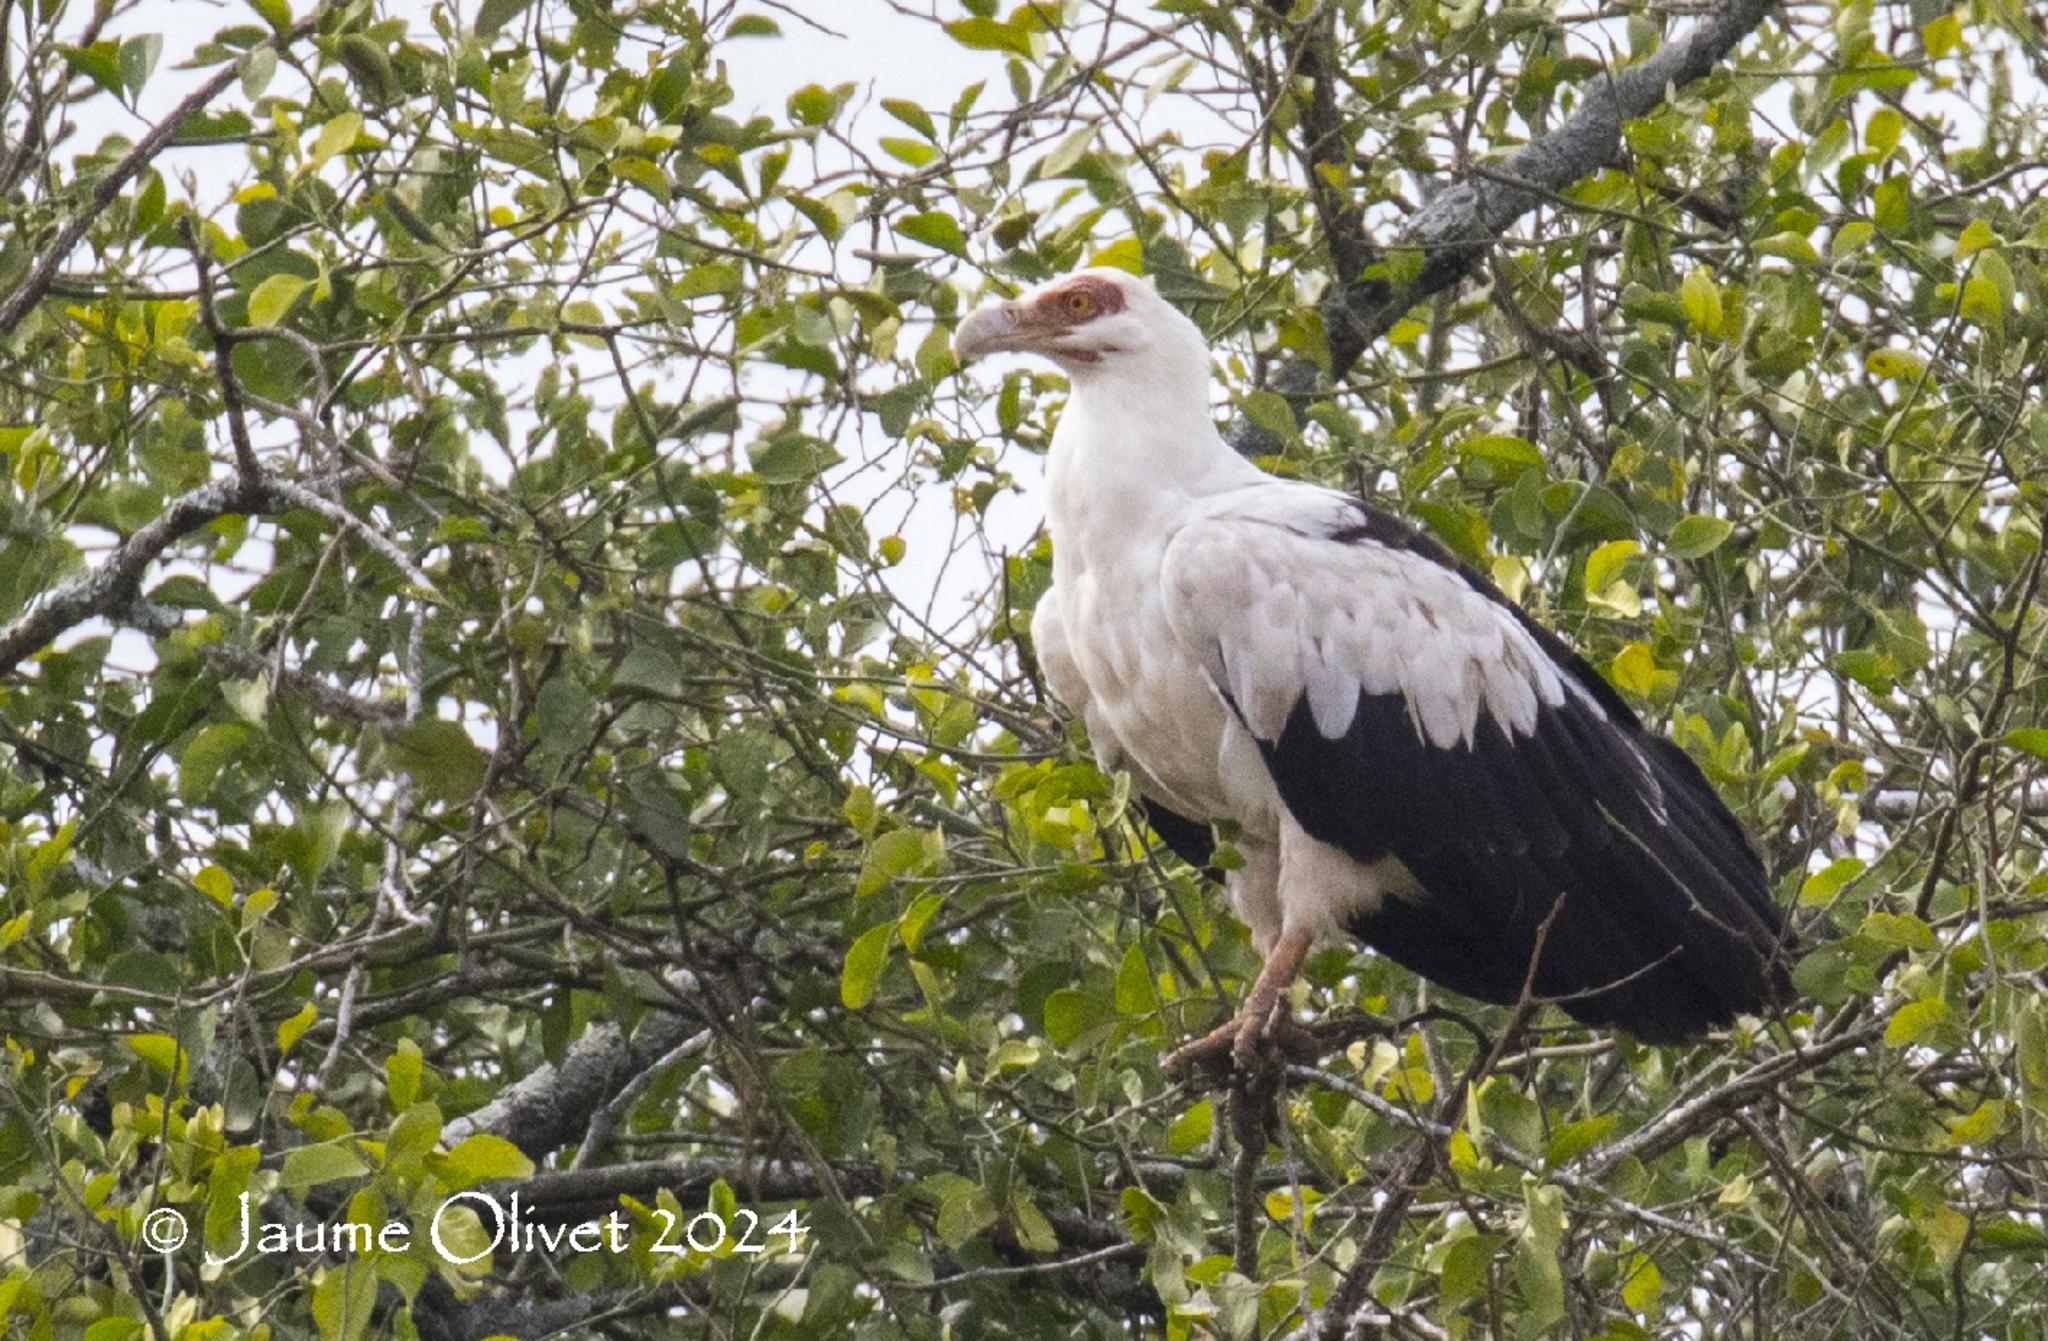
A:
[1824, 884]
[1792, 247]
[863, 967]
[1604, 565]
[337, 135]
[1985, 1124]
[402, 1071]
[1635, 670]
[274, 298]
[2032, 739]
[328, 1162]
[1702, 299]
[1896, 365]
[481, 1158]
[1698, 535]
[161, 1051]
[215, 884]
[1897, 931]
[1915, 1022]
[1644, 1286]
[294, 1029]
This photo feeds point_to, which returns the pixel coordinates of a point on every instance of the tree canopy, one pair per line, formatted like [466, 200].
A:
[515, 674]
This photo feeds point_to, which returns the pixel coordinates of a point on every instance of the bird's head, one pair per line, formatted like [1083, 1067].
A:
[1095, 323]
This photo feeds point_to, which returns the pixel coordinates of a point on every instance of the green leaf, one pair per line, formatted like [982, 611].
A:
[1467, 1268]
[1915, 1022]
[1576, 1138]
[813, 105]
[1270, 411]
[916, 153]
[336, 136]
[1792, 247]
[1604, 565]
[2013, 1236]
[1824, 884]
[910, 927]
[1702, 299]
[1126, 254]
[161, 1051]
[329, 1162]
[790, 458]
[204, 757]
[2032, 739]
[1134, 991]
[481, 1158]
[1067, 153]
[658, 812]
[1191, 1130]
[863, 967]
[1890, 204]
[215, 884]
[276, 13]
[911, 115]
[1635, 671]
[100, 62]
[1897, 931]
[1541, 1284]
[1897, 365]
[935, 229]
[138, 59]
[1982, 1126]
[983, 34]
[402, 1071]
[495, 14]
[964, 1212]
[1508, 454]
[292, 1030]
[344, 1299]
[274, 297]
[441, 758]
[1697, 535]
[895, 854]
[1070, 1013]
[1644, 1285]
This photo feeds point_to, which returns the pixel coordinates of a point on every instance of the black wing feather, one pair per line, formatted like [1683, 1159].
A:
[1191, 840]
[1666, 926]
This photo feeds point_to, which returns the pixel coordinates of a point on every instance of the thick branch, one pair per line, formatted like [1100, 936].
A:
[551, 1106]
[1905, 804]
[1674, 1125]
[115, 582]
[1454, 230]
[1462, 221]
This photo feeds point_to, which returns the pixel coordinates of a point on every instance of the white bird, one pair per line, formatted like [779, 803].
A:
[1408, 756]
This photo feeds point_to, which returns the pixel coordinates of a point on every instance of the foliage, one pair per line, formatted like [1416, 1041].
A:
[515, 672]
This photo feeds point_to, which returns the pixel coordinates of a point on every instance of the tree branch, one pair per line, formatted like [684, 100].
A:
[1458, 225]
[115, 582]
[44, 272]
[552, 1105]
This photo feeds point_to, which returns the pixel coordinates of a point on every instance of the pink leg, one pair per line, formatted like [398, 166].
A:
[1264, 1011]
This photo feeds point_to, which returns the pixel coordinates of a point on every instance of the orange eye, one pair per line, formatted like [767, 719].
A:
[1078, 304]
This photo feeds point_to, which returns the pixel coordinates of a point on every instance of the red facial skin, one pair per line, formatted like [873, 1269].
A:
[1075, 303]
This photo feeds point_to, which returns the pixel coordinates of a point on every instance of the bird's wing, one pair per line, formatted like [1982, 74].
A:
[1055, 655]
[1190, 839]
[1405, 707]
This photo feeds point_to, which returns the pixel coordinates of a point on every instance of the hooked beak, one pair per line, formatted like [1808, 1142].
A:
[992, 329]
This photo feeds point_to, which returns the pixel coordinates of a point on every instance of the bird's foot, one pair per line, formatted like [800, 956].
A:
[1262, 1030]
[1261, 1035]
